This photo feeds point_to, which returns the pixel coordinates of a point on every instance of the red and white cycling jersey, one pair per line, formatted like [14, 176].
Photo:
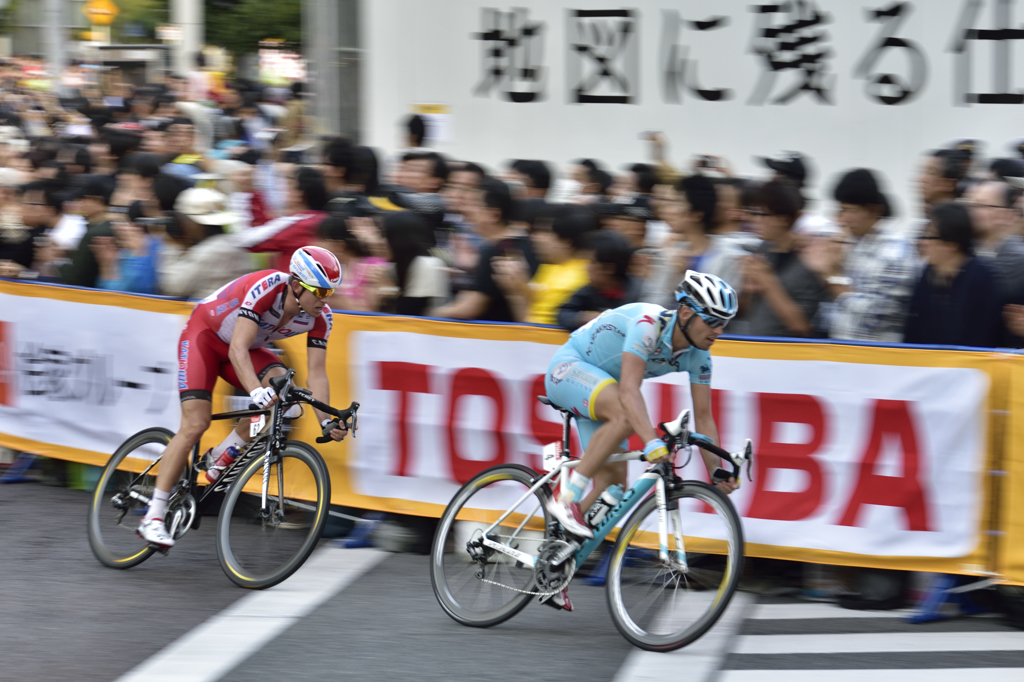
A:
[260, 297]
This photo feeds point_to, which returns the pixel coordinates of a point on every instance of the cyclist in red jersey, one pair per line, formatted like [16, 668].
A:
[226, 336]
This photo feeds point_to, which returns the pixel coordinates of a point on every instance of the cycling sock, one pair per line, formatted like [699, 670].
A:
[157, 506]
[574, 488]
[233, 440]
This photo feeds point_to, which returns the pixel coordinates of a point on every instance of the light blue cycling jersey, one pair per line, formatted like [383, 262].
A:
[643, 329]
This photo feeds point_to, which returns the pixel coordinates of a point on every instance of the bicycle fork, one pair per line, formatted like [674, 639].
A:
[677, 529]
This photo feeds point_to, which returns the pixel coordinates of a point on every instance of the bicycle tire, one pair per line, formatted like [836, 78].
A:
[460, 569]
[240, 528]
[635, 568]
[116, 545]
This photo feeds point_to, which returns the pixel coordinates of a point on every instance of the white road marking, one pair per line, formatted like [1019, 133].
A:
[899, 675]
[818, 610]
[699, 661]
[889, 642]
[214, 648]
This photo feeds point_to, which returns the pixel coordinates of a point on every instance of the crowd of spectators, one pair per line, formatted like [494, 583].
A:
[178, 187]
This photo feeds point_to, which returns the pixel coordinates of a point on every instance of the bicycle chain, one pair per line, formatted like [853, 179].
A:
[572, 572]
[537, 594]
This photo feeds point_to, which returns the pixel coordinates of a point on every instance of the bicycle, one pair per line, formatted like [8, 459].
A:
[274, 498]
[487, 564]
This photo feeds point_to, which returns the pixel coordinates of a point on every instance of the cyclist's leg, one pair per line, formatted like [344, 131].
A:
[195, 419]
[593, 396]
[199, 355]
[610, 474]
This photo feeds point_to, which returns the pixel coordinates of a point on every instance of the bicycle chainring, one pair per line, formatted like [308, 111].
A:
[550, 578]
[181, 512]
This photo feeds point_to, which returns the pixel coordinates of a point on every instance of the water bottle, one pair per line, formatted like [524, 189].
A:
[222, 463]
[608, 500]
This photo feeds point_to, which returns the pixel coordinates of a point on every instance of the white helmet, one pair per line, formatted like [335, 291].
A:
[707, 294]
[316, 267]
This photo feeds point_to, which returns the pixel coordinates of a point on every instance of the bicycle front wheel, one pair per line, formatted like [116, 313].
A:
[260, 546]
[477, 585]
[116, 508]
[662, 605]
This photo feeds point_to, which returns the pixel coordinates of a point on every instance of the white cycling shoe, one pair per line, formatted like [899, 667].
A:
[155, 533]
[570, 516]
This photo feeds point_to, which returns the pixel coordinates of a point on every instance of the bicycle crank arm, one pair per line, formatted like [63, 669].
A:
[527, 559]
[139, 496]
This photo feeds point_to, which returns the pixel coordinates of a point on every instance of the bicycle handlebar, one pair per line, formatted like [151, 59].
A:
[676, 433]
[293, 394]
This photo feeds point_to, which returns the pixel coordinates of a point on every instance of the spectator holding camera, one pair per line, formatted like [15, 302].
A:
[560, 244]
[128, 261]
[871, 280]
[489, 209]
[84, 269]
[780, 295]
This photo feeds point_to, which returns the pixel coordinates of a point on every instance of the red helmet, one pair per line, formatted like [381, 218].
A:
[316, 267]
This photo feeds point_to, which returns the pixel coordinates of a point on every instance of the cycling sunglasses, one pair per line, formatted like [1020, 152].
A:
[712, 321]
[319, 292]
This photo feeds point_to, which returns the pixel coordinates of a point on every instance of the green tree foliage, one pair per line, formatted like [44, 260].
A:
[149, 13]
[239, 25]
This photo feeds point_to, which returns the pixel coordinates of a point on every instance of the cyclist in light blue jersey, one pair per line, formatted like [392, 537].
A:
[598, 372]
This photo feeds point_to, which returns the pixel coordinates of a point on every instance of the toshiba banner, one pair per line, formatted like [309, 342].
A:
[861, 453]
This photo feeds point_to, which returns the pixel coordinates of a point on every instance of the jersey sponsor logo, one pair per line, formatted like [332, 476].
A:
[648, 319]
[183, 366]
[558, 373]
[317, 343]
[602, 328]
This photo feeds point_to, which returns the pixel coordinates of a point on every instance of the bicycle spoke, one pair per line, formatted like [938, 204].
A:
[663, 607]
[504, 588]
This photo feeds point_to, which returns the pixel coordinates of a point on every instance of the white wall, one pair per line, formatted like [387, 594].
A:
[425, 53]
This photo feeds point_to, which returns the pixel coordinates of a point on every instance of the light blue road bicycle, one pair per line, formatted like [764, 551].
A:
[674, 567]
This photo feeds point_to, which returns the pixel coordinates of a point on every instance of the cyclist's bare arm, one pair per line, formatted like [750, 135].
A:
[320, 386]
[704, 423]
[238, 352]
[316, 364]
[633, 369]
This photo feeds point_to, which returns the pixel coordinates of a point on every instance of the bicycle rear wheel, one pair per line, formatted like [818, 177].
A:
[659, 606]
[114, 514]
[492, 588]
[259, 548]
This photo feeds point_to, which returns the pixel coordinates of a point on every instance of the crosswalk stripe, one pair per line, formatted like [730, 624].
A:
[880, 642]
[815, 610]
[211, 650]
[897, 675]
[699, 660]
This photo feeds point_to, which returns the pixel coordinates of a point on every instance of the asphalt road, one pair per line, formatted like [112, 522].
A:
[368, 615]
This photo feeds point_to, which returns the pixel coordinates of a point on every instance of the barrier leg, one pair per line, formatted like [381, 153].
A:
[363, 531]
[949, 589]
[599, 576]
[16, 472]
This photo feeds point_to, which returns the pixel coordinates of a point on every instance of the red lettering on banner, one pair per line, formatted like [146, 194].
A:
[406, 378]
[892, 418]
[475, 381]
[7, 374]
[778, 408]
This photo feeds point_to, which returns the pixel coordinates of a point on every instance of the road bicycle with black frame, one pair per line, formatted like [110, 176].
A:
[674, 567]
[272, 502]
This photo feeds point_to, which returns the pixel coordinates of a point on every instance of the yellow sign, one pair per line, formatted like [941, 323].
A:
[100, 12]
